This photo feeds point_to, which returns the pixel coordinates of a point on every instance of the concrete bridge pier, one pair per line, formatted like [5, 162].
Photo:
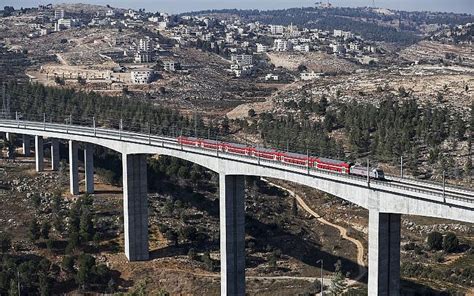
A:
[73, 167]
[26, 146]
[89, 168]
[384, 254]
[54, 154]
[39, 154]
[8, 136]
[135, 206]
[232, 234]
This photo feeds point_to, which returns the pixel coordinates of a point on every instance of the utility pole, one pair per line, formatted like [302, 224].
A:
[322, 279]
[121, 127]
[195, 124]
[307, 159]
[368, 172]
[401, 166]
[93, 123]
[444, 186]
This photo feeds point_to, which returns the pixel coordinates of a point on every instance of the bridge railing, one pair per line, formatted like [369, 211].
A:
[155, 134]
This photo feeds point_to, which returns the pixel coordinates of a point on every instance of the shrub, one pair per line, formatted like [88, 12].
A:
[435, 241]
[450, 242]
[34, 230]
[192, 254]
[68, 263]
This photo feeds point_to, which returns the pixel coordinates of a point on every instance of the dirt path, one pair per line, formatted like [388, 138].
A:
[61, 59]
[253, 277]
[342, 230]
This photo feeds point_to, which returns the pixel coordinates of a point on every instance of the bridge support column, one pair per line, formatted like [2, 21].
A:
[232, 234]
[39, 154]
[73, 167]
[8, 136]
[54, 154]
[384, 254]
[89, 168]
[26, 145]
[135, 206]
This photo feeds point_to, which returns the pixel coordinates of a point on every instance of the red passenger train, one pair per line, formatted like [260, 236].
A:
[327, 164]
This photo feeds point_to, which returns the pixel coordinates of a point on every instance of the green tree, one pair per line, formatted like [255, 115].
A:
[45, 229]
[450, 242]
[111, 286]
[36, 199]
[172, 236]
[34, 230]
[188, 233]
[5, 242]
[44, 285]
[192, 254]
[435, 240]
[86, 226]
[85, 274]
[68, 263]
[338, 282]
[13, 291]
[49, 244]
[163, 293]
[73, 242]
[207, 260]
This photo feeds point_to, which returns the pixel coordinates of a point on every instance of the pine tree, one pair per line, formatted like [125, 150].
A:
[34, 230]
[338, 283]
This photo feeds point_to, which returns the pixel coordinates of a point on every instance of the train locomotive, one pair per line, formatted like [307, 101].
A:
[290, 158]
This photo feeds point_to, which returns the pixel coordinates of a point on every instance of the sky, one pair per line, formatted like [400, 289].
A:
[176, 6]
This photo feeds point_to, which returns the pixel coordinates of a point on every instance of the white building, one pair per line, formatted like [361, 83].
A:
[343, 34]
[242, 59]
[336, 48]
[281, 45]
[110, 12]
[262, 48]
[141, 76]
[301, 47]
[142, 57]
[44, 32]
[305, 76]
[277, 29]
[145, 45]
[271, 76]
[240, 71]
[171, 66]
[59, 14]
[63, 24]
[354, 47]
[162, 25]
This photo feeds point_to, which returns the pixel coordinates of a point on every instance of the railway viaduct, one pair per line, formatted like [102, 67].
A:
[386, 201]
